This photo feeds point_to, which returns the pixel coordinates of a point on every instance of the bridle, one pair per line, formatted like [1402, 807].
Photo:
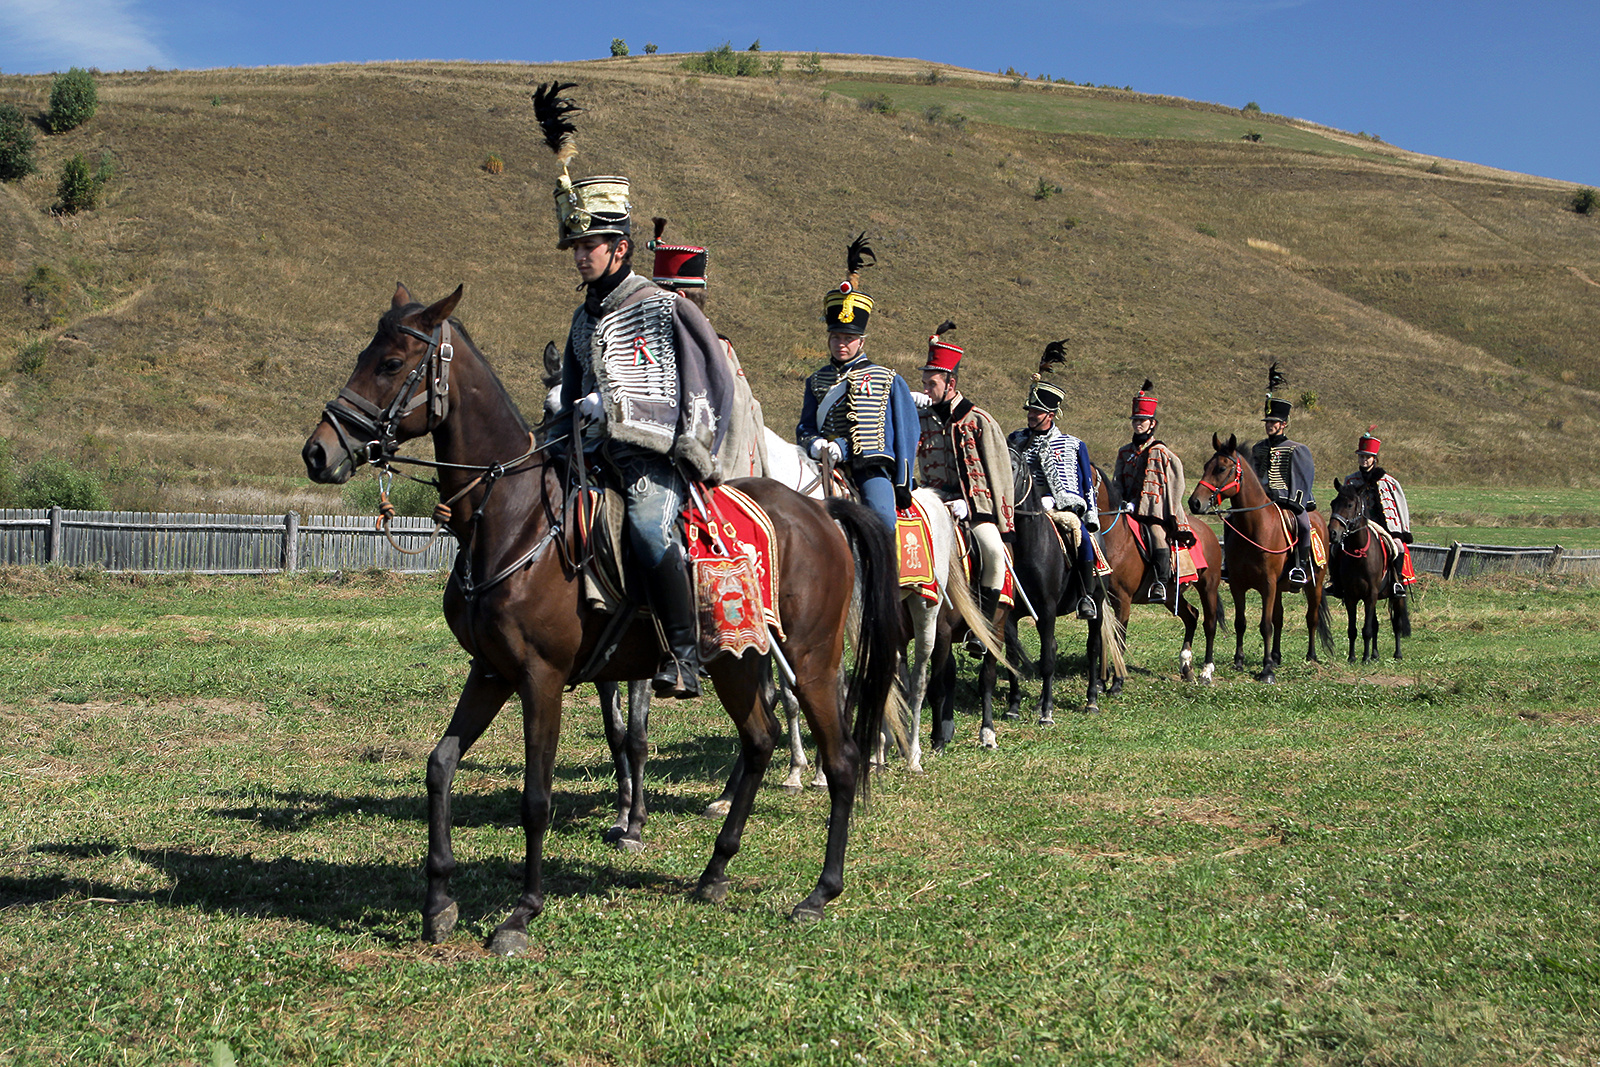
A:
[1232, 485]
[1357, 520]
[379, 426]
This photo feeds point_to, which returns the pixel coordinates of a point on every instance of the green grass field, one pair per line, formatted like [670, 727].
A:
[215, 826]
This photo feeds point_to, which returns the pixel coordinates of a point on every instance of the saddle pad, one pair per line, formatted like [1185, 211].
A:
[1184, 558]
[969, 558]
[1393, 547]
[914, 542]
[1319, 545]
[733, 549]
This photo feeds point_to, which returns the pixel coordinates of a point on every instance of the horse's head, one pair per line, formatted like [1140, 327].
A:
[1221, 478]
[400, 389]
[1352, 504]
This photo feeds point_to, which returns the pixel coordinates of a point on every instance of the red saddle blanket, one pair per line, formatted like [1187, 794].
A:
[734, 554]
[1189, 561]
[914, 543]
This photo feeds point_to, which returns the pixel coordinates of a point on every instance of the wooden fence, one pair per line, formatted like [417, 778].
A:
[217, 544]
[263, 544]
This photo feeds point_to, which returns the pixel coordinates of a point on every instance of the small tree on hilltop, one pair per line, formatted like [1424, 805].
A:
[16, 145]
[649, 48]
[1584, 200]
[79, 188]
[619, 47]
[73, 100]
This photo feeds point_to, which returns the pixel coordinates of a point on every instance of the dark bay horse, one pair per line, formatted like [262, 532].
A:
[1258, 553]
[1049, 582]
[1359, 560]
[1128, 583]
[514, 603]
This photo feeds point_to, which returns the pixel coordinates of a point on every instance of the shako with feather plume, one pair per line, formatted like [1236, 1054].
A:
[942, 355]
[846, 308]
[677, 266]
[597, 206]
[1277, 409]
[1043, 395]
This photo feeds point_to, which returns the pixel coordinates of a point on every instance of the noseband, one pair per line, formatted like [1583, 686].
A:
[378, 426]
[1218, 492]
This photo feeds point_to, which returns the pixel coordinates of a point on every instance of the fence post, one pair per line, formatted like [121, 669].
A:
[1450, 558]
[291, 540]
[52, 543]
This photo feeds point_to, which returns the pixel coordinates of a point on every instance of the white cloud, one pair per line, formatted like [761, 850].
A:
[47, 35]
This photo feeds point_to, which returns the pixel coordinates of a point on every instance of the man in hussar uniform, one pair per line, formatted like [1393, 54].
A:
[963, 456]
[1149, 477]
[682, 269]
[857, 413]
[1393, 514]
[1288, 475]
[646, 373]
[1059, 462]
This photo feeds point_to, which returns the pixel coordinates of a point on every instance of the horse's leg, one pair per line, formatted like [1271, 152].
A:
[481, 700]
[749, 703]
[1094, 652]
[1190, 615]
[1124, 613]
[1237, 588]
[1369, 628]
[1350, 621]
[837, 753]
[988, 675]
[1013, 645]
[616, 725]
[1271, 608]
[925, 623]
[942, 688]
[1047, 664]
[795, 781]
[1210, 608]
[638, 742]
[541, 730]
[1313, 594]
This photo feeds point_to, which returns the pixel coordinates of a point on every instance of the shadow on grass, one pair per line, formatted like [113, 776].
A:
[341, 897]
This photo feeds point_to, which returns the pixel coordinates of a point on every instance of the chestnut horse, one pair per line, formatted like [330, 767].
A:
[514, 602]
[1128, 582]
[1359, 561]
[1258, 553]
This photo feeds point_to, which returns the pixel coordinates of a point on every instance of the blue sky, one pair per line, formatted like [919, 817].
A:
[1511, 85]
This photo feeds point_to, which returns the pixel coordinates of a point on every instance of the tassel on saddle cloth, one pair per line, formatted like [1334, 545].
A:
[732, 550]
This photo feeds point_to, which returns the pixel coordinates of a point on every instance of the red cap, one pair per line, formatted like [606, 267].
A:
[1369, 445]
[942, 355]
[1144, 405]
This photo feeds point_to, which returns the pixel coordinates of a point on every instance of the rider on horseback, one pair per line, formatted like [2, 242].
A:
[1149, 477]
[645, 372]
[963, 457]
[1288, 475]
[1392, 514]
[1061, 463]
[682, 269]
[859, 414]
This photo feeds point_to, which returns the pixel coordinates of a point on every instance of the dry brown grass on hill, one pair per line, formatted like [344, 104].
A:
[260, 219]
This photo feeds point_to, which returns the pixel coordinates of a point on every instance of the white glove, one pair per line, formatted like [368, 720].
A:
[958, 508]
[588, 407]
[835, 453]
[1048, 503]
[921, 399]
[821, 445]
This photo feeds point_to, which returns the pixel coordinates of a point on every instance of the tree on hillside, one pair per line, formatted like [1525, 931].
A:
[619, 47]
[73, 99]
[16, 145]
[1584, 200]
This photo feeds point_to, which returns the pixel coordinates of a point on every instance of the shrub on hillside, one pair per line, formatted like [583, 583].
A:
[619, 47]
[16, 145]
[812, 64]
[73, 100]
[649, 48]
[1252, 108]
[878, 103]
[53, 483]
[725, 61]
[1584, 200]
[79, 189]
[494, 164]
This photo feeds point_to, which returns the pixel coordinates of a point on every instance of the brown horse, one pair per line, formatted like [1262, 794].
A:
[1359, 562]
[1258, 553]
[1128, 583]
[513, 601]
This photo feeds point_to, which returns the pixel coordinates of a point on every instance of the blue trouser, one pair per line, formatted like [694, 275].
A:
[655, 492]
[877, 492]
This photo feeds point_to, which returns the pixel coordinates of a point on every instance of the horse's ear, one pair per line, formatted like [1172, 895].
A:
[1233, 443]
[1338, 485]
[402, 295]
[436, 314]
[1216, 441]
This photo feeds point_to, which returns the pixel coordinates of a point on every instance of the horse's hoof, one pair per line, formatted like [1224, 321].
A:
[711, 892]
[987, 739]
[1091, 709]
[787, 790]
[1047, 719]
[914, 766]
[1208, 673]
[506, 942]
[805, 913]
[1267, 677]
[718, 809]
[1012, 714]
[435, 928]
[613, 833]
[627, 844]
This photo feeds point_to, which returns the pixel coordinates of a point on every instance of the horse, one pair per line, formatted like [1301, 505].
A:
[1128, 583]
[1359, 562]
[1257, 551]
[514, 601]
[1049, 584]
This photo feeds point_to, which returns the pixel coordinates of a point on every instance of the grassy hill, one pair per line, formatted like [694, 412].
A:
[183, 338]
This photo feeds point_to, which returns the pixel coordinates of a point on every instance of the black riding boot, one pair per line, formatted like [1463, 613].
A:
[1160, 573]
[671, 592]
[1086, 608]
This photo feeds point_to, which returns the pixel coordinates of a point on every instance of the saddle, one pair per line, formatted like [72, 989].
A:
[1319, 545]
[1394, 549]
[732, 550]
[1186, 562]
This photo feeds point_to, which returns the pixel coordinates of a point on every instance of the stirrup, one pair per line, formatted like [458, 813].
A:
[1086, 608]
[1157, 590]
[1399, 589]
[671, 680]
[1297, 577]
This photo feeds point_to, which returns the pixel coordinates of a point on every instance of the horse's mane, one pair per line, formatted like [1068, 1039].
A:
[1113, 491]
[390, 323]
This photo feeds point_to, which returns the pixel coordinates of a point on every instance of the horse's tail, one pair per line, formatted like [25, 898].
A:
[1113, 645]
[1399, 616]
[1324, 613]
[960, 592]
[875, 673]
